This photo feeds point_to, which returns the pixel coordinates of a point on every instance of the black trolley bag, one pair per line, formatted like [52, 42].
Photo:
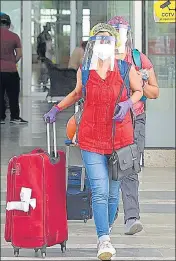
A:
[79, 199]
[62, 80]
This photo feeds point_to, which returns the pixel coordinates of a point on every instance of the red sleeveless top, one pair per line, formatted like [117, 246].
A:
[95, 129]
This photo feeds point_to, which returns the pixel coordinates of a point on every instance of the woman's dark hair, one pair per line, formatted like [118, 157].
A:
[84, 43]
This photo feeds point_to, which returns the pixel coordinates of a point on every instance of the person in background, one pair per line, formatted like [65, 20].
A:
[76, 57]
[42, 39]
[130, 184]
[44, 50]
[5, 96]
[103, 88]
[10, 54]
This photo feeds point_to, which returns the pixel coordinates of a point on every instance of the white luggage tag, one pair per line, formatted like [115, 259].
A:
[25, 203]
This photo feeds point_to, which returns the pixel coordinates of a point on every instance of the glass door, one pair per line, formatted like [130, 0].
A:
[50, 38]
[160, 48]
[89, 13]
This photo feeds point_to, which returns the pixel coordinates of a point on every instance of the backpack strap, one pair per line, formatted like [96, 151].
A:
[136, 55]
[123, 68]
[85, 77]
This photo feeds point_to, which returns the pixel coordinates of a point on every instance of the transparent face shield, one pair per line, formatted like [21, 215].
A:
[125, 39]
[99, 53]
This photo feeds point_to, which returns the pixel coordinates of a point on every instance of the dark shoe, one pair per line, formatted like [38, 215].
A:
[18, 121]
[2, 121]
[44, 88]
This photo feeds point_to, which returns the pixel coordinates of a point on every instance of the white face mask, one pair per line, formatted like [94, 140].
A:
[103, 51]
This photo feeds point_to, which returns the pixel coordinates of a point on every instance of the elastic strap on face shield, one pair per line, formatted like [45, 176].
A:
[117, 26]
[102, 38]
[85, 75]
[105, 38]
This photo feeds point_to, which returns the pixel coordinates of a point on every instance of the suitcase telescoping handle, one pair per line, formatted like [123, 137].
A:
[49, 138]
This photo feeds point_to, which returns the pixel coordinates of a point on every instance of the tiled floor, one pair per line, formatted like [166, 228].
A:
[157, 199]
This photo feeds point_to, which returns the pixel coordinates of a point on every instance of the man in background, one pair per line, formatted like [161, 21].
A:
[44, 50]
[42, 40]
[10, 54]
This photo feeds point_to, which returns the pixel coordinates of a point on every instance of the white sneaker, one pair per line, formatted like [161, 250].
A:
[105, 250]
[133, 226]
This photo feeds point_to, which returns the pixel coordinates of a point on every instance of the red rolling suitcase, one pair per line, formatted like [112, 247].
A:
[46, 224]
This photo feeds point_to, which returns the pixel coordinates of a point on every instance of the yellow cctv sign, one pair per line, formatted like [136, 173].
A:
[164, 11]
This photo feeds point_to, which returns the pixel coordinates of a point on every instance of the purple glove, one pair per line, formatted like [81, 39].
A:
[121, 110]
[51, 115]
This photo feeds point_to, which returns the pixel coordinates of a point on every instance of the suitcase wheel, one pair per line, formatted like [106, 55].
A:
[63, 246]
[16, 252]
[85, 220]
[43, 252]
[36, 252]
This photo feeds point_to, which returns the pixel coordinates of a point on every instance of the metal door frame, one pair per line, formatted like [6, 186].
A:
[27, 48]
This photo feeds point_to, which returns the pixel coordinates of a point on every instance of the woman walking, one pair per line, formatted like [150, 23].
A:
[102, 90]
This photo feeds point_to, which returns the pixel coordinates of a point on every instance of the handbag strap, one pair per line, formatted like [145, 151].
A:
[117, 101]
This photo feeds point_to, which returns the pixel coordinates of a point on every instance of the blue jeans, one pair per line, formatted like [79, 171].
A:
[105, 191]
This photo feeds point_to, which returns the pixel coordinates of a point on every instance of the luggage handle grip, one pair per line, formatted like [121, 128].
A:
[49, 138]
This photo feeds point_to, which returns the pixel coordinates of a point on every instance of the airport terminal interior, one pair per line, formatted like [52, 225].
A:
[157, 178]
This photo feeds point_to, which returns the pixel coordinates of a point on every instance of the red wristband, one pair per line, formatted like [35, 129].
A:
[59, 109]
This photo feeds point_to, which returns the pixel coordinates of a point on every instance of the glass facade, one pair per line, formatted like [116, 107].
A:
[160, 37]
[120, 8]
[57, 13]
[88, 14]
[13, 8]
